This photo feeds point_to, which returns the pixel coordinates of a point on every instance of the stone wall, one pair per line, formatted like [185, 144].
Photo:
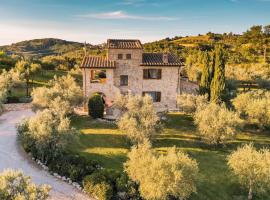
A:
[127, 67]
[108, 88]
[167, 85]
[188, 87]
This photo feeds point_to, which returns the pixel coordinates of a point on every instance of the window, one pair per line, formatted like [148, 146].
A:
[152, 73]
[98, 76]
[120, 56]
[123, 80]
[156, 96]
[128, 56]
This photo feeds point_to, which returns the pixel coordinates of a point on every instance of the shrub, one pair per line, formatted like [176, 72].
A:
[255, 107]
[252, 168]
[73, 166]
[15, 186]
[140, 121]
[96, 106]
[189, 103]
[216, 124]
[173, 174]
[46, 135]
[96, 184]
[63, 92]
[127, 187]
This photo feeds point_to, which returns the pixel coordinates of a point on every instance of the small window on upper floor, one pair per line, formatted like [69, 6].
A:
[152, 74]
[128, 56]
[123, 80]
[120, 56]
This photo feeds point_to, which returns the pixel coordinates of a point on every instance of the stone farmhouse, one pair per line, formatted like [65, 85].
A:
[127, 69]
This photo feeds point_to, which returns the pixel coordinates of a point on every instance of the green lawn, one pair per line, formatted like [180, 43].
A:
[105, 143]
[39, 80]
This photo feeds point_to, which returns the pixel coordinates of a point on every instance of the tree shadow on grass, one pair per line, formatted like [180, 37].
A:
[108, 161]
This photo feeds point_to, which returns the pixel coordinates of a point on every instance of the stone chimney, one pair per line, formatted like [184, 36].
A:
[165, 57]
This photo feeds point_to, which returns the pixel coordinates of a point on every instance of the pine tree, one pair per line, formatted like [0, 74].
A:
[206, 75]
[218, 82]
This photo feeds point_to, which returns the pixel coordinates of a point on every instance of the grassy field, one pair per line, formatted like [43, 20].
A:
[41, 79]
[105, 143]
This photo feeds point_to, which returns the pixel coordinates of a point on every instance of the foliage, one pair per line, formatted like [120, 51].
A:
[46, 135]
[216, 123]
[96, 106]
[189, 103]
[140, 122]
[16, 186]
[27, 70]
[218, 82]
[7, 80]
[206, 77]
[254, 106]
[62, 96]
[165, 175]
[252, 168]
[73, 166]
[96, 184]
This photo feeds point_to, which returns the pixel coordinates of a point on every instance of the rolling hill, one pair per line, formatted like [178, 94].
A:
[43, 47]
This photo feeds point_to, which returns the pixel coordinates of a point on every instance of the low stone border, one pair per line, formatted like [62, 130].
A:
[62, 178]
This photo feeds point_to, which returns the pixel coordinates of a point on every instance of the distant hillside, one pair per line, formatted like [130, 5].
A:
[43, 47]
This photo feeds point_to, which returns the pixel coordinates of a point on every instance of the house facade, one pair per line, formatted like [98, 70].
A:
[129, 70]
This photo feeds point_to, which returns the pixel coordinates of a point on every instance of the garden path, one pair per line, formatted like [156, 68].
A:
[12, 156]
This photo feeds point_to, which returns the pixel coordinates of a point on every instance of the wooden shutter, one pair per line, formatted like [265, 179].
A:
[158, 95]
[159, 73]
[145, 73]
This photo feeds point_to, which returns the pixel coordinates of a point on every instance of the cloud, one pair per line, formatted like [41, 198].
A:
[123, 15]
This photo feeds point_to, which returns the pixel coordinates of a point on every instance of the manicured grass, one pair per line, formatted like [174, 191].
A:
[105, 143]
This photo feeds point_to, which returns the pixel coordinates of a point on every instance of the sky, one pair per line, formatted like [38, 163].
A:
[94, 21]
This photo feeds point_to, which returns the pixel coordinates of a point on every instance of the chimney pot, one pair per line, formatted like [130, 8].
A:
[165, 58]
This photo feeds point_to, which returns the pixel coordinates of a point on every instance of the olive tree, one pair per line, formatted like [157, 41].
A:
[254, 106]
[63, 90]
[161, 176]
[216, 123]
[27, 70]
[252, 167]
[6, 82]
[189, 103]
[16, 186]
[140, 121]
[46, 135]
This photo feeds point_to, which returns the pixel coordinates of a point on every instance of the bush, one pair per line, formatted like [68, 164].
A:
[46, 135]
[140, 121]
[216, 124]
[15, 186]
[73, 166]
[63, 95]
[252, 168]
[127, 187]
[96, 106]
[97, 185]
[189, 103]
[13, 99]
[255, 107]
[161, 176]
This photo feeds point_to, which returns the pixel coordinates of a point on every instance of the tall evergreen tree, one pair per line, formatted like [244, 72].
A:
[218, 82]
[206, 75]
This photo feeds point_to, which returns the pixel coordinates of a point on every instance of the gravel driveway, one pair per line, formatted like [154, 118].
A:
[12, 156]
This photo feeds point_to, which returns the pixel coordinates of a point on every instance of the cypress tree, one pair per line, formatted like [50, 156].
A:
[206, 75]
[218, 82]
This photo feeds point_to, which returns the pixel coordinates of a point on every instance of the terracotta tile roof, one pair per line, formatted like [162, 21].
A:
[156, 59]
[124, 44]
[97, 62]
